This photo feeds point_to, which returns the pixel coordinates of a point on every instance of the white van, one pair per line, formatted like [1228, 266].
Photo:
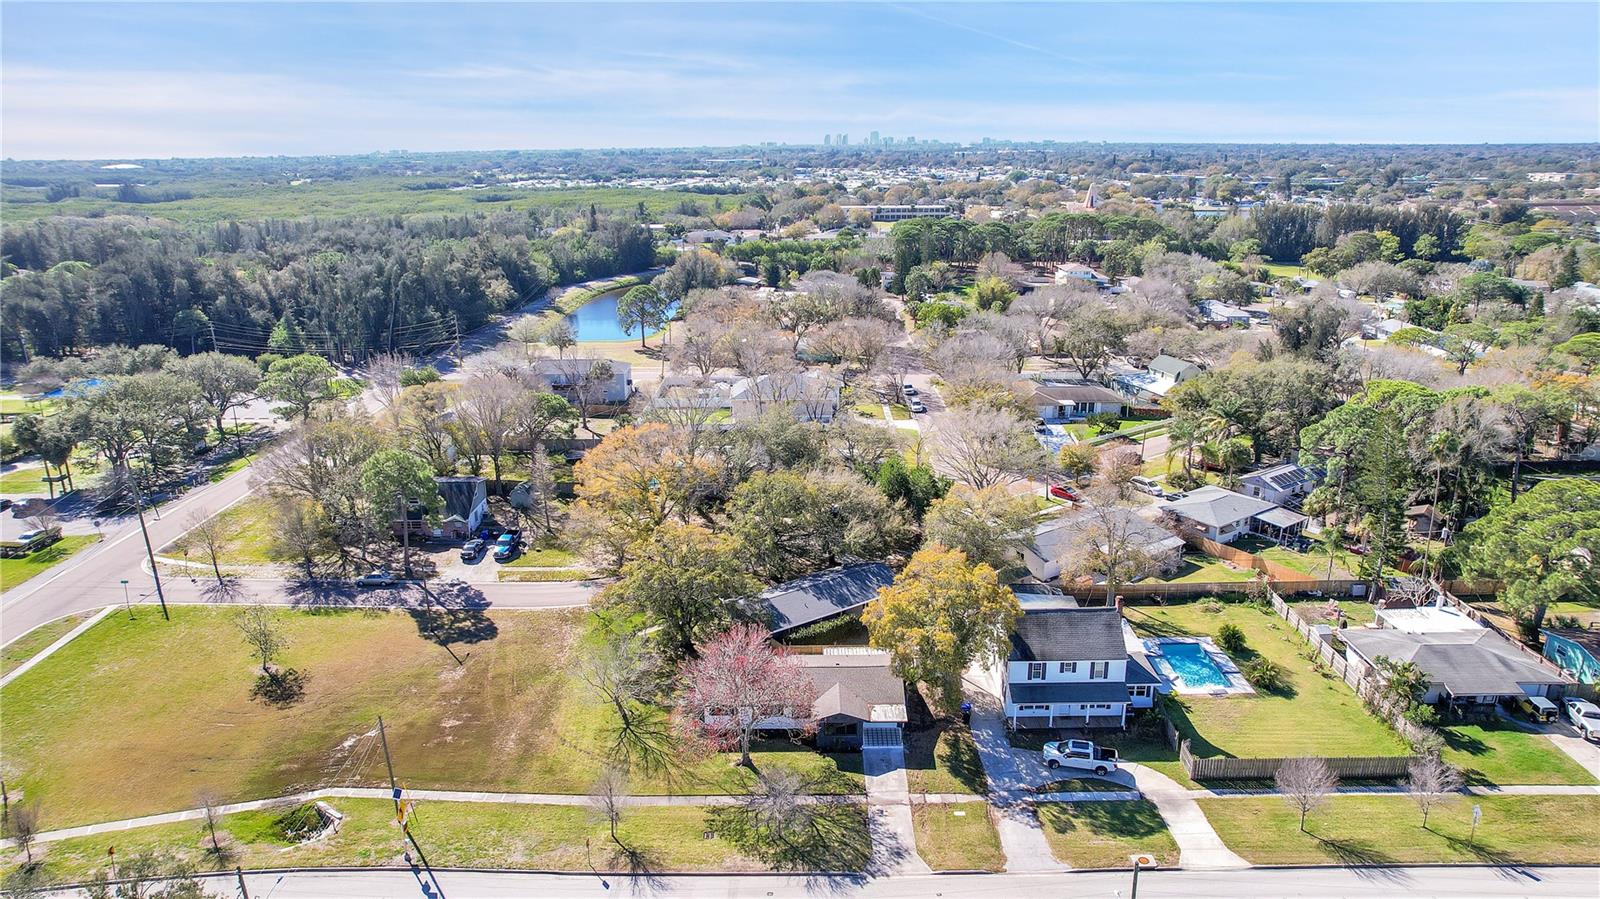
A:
[1146, 485]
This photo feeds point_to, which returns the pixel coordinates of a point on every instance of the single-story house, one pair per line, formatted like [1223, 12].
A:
[1058, 401]
[1054, 539]
[564, 376]
[860, 702]
[812, 395]
[1077, 271]
[1463, 667]
[1157, 380]
[1576, 650]
[1217, 314]
[1285, 484]
[1225, 516]
[683, 393]
[1076, 667]
[466, 502]
[1430, 619]
[826, 594]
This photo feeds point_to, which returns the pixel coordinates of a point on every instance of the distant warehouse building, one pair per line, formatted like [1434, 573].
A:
[885, 212]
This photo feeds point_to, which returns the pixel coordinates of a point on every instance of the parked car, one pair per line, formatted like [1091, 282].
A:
[908, 389]
[472, 550]
[1081, 754]
[5, 504]
[916, 406]
[1146, 485]
[1062, 491]
[1585, 716]
[375, 579]
[505, 548]
[1538, 709]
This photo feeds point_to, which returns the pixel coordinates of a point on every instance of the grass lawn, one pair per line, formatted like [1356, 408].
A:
[1357, 612]
[1199, 568]
[451, 834]
[1499, 752]
[233, 465]
[1314, 715]
[948, 763]
[1082, 785]
[247, 526]
[83, 728]
[957, 837]
[1104, 834]
[33, 642]
[899, 412]
[543, 575]
[30, 481]
[17, 404]
[870, 410]
[1282, 270]
[1387, 830]
[544, 558]
[16, 571]
[1312, 566]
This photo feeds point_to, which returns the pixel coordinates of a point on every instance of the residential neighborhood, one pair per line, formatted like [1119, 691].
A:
[728, 509]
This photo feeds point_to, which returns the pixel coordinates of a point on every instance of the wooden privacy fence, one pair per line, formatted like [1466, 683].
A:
[1348, 767]
[1283, 578]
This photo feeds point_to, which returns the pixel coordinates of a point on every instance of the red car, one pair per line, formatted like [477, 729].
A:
[1061, 491]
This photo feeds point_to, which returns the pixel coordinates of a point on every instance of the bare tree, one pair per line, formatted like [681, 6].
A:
[623, 671]
[22, 826]
[557, 333]
[984, 447]
[386, 372]
[741, 683]
[1111, 541]
[298, 532]
[527, 331]
[210, 804]
[487, 408]
[207, 532]
[1305, 784]
[608, 799]
[261, 630]
[585, 380]
[1431, 782]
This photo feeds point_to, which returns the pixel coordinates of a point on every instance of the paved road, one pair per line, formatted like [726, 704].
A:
[1257, 883]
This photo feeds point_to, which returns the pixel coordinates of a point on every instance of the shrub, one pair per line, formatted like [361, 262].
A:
[1211, 607]
[1230, 638]
[1265, 674]
[411, 377]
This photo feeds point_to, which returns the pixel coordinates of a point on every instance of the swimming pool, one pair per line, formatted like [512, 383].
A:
[1192, 663]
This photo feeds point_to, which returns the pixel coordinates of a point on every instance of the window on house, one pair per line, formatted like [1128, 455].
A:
[1099, 670]
[1069, 668]
[1139, 691]
[1035, 671]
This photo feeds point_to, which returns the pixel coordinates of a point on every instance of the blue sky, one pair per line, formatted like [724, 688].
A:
[144, 80]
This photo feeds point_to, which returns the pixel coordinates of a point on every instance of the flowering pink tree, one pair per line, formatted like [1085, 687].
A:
[739, 680]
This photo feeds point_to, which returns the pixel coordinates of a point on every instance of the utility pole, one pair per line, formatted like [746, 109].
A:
[405, 528]
[150, 553]
[239, 873]
[389, 762]
[458, 342]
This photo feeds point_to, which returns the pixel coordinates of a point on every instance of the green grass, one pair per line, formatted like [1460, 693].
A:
[544, 558]
[870, 410]
[247, 530]
[1199, 568]
[451, 834]
[84, 728]
[957, 837]
[1387, 830]
[1312, 565]
[248, 200]
[1082, 785]
[948, 763]
[899, 412]
[33, 642]
[14, 572]
[1314, 715]
[1282, 270]
[30, 481]
[1499, 752]
[544, 575]
[1104, 834]
[234, 465]
[16, 404]
[1357, 612]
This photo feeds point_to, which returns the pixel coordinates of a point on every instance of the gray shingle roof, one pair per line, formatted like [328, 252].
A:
[1078, 393]
[1215, 507]
[460, 495]
[824, 594]
[856, 685]
[1069, 635]
[1467, 663]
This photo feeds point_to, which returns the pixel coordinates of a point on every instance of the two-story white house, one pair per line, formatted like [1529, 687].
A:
[1076, 667]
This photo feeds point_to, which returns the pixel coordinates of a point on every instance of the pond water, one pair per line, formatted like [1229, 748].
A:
[597, 319]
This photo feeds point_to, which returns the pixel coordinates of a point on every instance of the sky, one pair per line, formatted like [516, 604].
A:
[132, 80]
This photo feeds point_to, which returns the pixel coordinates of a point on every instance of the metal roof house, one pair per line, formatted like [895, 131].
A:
[826, 594]
[1284, 484]
[1463, 667]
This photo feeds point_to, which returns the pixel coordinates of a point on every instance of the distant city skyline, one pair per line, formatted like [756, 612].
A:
[152, 81]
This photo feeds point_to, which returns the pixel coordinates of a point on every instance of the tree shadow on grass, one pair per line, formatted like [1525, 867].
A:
[640, 866]
[1504, 863]
[1354, 853]
[821, 836]
[1151, 626]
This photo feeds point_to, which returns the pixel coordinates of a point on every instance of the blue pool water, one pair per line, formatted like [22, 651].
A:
[76, 388]
[1193, 664]
[597, 319]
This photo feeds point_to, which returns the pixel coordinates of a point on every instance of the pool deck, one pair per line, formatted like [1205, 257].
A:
[1236, 686]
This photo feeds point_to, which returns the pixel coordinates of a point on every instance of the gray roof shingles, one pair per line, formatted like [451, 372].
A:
[822, 595]
[1069, 635]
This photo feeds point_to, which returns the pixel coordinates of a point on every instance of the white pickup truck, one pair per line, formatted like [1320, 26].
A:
[1080, 754]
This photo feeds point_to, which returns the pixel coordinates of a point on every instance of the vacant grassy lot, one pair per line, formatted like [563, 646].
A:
[1199, 568]
[137, 717]
[1356, 611]
[946, 764]
[1501, 753]
[450, 834]
[33, 642]
[1104, 834]
[1388, 830]
[544, 558]
[524, 575]
[1313, 715]
[16, 571]
[958, 837]
[247, 526]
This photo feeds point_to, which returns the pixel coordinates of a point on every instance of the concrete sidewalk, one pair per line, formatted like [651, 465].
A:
[1198, 844]
[889, 821]
[1011, 780]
